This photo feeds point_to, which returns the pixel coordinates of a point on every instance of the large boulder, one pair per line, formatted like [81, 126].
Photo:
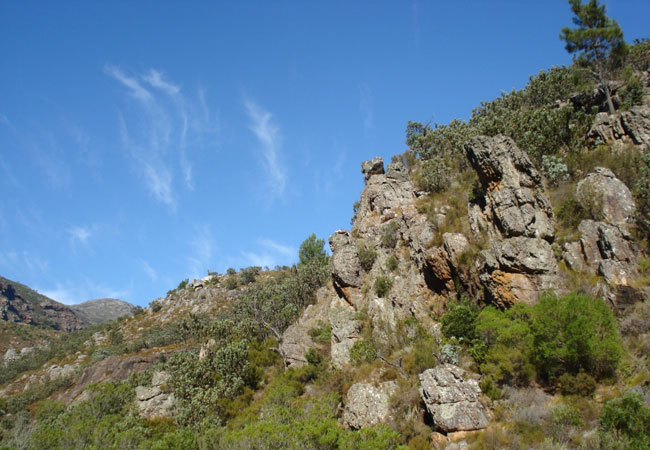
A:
[155, 401]
[368, 404]
[517, 217]
[453, 399]
[613, 196]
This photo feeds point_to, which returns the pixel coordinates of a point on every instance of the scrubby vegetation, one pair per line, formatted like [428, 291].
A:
[565, 372]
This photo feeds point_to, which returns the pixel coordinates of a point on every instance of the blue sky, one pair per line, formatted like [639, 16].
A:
[144, 142]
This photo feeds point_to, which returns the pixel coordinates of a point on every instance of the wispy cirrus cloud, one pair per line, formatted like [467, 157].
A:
[366, 106]
[268, 135]
[150, 271]
[23, 260]
[79, 234]
[160, 130]
[203, 249]
[270, 254]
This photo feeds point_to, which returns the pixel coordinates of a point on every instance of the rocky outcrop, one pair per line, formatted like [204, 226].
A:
[18, 303]
[606, 248]
[517, 218]
[346, 330]
[155, 401]
[613, 197]
[453, 399]
[296, 340]
[113, 368]
[627, 127]
[368, 404]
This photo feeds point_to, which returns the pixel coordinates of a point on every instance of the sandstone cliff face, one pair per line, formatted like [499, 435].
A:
[516, 216]
[606, 247]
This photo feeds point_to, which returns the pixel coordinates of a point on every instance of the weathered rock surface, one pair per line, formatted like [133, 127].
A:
[627, 127]
[388, 222]
[113, 368]
[18, 303]
[518, 220]
[602, 186]
[154, 401]
[368, 404]
[345, 330]
[296, 340]
[452, 399]
[607, 250]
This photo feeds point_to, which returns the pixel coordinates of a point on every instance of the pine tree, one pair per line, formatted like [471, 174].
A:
[598, 43]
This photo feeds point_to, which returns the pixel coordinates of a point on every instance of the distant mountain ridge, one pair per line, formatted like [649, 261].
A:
[102, 310]
[21, 304]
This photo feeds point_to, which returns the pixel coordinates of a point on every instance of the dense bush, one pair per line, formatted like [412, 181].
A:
[200, 385]
[247, 275]
[565, 340]
[628, 420]
[460, 320]
[574, 333]
[312, 250]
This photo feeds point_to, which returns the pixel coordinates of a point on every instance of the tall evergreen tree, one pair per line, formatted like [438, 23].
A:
[598, 42]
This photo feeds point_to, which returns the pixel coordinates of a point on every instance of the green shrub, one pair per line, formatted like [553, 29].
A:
[313, 357]
[321, 334]
[389, 235]
[363, 351]
[638, 56]
[433, 175]
[230, 283]
[554, 169]
[383, 286]
[367, 255]
[392, 263]
[574, 333]
[460, 320]
[183, 284]
[312, 249]
[509, 344]
[155, 305]
[581, 384]
[632, 94]
[247, 275]
[231, 271]
[627, 417]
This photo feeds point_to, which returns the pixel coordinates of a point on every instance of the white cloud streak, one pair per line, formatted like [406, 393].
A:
[161, 131]
[203, 246]
[267, 133]
[150, 271]
[79, 234]
[366, 106]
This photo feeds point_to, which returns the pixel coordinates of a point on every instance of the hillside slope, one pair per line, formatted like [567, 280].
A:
[19, 303]
[102, 310]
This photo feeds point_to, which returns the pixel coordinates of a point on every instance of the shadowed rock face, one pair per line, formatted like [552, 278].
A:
[18, 303]
[518, 219]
